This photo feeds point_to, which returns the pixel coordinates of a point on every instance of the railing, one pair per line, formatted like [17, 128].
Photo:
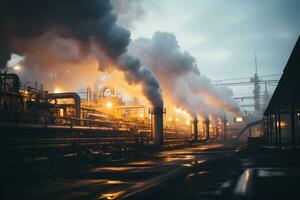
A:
[17, 119]
[14, 119]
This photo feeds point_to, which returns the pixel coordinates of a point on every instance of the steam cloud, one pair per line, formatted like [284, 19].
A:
[28, 27]
[180, 77]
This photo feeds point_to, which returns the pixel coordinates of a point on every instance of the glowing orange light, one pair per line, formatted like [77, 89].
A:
[109, 105]
[57, 90]
[239, 119]
[282, 124]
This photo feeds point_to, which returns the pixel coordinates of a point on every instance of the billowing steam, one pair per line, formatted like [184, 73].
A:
[85, 29]
[180, 76]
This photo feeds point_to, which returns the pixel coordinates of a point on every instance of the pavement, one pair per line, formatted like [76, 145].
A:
[208, 171]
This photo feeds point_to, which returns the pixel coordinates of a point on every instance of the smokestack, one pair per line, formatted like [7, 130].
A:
[214, 131]
[157, 125]
[195, 128]
[225, 128]
[217, 132]
[207, 128]
[88, 95]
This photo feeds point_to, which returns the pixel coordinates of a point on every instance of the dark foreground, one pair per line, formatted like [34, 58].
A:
[210, 171]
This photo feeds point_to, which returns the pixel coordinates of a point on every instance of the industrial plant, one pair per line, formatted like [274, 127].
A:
[141, 99]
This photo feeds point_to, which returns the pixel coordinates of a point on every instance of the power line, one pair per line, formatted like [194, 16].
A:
[235, 79]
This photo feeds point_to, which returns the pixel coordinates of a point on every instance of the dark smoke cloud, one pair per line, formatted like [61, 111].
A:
[129, 11]
[27, 27]
[180, 76]
[78, 19]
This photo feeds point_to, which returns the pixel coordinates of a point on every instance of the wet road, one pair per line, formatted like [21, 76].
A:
[206, 171]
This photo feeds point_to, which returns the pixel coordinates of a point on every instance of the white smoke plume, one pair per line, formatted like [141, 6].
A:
[180, 77]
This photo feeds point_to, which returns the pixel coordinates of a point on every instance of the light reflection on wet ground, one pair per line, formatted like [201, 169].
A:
[116, 180]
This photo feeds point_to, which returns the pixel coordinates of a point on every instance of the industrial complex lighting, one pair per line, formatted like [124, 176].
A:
[17, 67]
[57, 90]
[109, 105]
[283, 124]
[239, 119]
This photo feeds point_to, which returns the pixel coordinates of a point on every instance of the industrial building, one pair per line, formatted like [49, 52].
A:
[282, 116]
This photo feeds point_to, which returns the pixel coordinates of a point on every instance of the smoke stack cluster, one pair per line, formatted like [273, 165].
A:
[51, 34]
[85, 28]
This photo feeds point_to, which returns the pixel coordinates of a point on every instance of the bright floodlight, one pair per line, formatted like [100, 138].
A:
[108, 104]
[239, 119]
[17, 67]
[57, 90]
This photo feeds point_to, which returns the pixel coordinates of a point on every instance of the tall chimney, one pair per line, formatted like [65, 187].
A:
[217, 131]
[195, 128]
[225, 128]
[207, 128]
[88, 95]
[157, 125]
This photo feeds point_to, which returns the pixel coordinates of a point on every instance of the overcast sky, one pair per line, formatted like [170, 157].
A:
[223, 35]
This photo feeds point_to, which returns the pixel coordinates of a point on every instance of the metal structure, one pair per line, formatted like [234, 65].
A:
[195, 128]
[207, 134]
[68, 95]
[282, 116]
[256, 90]
[225, 128]
[36, 108]
[157, 125]
[256, 81]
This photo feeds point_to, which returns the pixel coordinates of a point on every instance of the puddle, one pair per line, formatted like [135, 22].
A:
[114, 182]
[109, 196]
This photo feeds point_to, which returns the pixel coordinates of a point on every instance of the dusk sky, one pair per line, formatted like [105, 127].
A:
[222, 35]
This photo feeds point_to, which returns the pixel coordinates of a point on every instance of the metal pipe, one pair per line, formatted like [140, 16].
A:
[276, 130]
[267, 128]
[271, 129]
[292, 116]
[66, 95]
[157, 125]
[207, 128]
[195, 128]
[279, 128]
[225, 128]
[88, 95]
